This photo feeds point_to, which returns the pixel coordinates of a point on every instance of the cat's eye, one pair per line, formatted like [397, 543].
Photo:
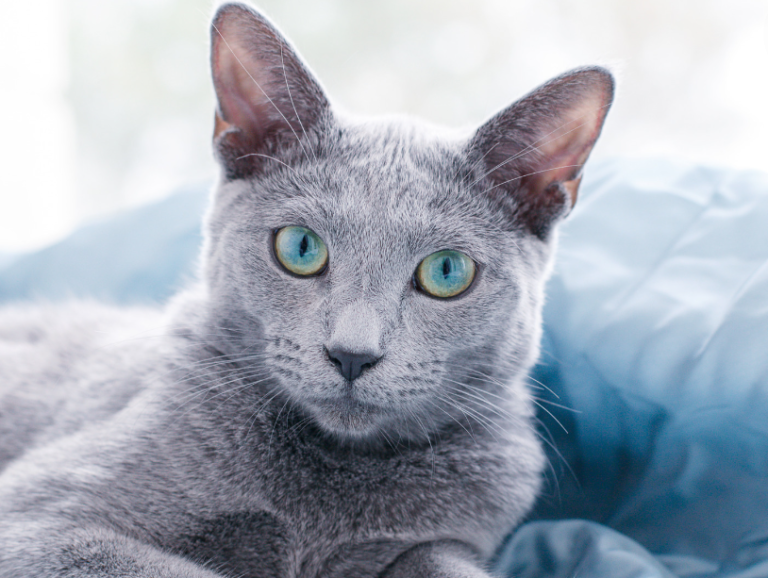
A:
[300, 251]
[445, 274]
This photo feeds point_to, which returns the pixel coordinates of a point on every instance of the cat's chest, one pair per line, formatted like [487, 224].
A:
[326, 512]
[348, 509]
[269, 546]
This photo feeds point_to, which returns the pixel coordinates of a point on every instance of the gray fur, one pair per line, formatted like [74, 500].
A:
[215, 438]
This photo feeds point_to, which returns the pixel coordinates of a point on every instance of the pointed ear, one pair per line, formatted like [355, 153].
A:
[267, 98]
[531, 154]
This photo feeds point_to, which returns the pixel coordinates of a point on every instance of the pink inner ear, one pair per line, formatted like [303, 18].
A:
[565, 149]
[239, 79]
[264, 90]
[267, 98]
[533, 151]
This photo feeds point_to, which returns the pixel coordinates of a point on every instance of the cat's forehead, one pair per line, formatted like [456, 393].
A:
[393, 183]
[393, 162]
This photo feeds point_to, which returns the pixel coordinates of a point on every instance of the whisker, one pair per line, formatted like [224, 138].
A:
[480, 398]
[213, 378]
[479, 417]
[217, 384]
[550, 415]
[552, 403]
[489, 189]
[262, 406]
[539, 435]
[469, 433]
[542, 385]
[270, 157]
[477, 162]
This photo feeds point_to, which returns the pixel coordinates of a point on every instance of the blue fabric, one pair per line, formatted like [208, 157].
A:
[576, 549]
[140, 256]
[653, 381]
[657, 338]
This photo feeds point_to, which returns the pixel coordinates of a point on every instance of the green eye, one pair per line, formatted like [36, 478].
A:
[445, 273]
[300, 251]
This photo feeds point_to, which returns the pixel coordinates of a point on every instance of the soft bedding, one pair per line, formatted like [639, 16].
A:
[653, 380]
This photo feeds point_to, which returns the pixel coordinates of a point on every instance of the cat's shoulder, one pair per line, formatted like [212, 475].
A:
[71, 322]
[65, 365]
[45, 336]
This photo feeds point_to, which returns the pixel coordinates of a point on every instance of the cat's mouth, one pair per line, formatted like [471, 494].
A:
[347, 415]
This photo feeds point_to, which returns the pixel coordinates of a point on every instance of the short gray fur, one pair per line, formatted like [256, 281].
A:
[216, 438]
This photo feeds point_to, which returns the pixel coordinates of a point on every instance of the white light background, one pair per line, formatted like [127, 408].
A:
[107, 104]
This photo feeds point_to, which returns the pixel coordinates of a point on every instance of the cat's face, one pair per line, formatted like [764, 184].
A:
[326, 261]
[382, 198]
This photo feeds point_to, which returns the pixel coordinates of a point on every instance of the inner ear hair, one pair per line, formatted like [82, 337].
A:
[532, 153]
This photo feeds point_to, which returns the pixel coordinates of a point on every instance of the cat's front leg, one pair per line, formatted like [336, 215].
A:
[444, 559]
[28, 550]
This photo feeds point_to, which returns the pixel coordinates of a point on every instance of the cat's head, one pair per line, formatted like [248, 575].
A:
[386, 275]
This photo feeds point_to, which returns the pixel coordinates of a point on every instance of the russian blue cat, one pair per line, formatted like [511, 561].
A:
[343, 392]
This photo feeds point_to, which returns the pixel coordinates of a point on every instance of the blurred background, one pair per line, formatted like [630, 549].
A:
[106, 105]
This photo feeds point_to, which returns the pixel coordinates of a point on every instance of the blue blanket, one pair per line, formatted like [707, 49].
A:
[653, 381]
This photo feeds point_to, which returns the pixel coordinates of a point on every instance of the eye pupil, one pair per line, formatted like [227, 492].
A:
[303, 246]
[446, 267]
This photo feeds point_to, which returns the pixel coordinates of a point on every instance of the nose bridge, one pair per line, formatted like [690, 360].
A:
[357, 328]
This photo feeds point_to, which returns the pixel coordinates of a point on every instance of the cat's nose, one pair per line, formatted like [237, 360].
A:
[351, 364]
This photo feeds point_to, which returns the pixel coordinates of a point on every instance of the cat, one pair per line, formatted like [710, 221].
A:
[343, 392]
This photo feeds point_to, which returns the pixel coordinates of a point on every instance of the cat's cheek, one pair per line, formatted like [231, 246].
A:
[448, 322]
[268, 287]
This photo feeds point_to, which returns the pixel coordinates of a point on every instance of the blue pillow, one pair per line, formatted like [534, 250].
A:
[139, 256]
[657, 340]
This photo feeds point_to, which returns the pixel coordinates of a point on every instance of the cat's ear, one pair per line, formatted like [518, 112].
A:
[267, 98]
[531, 154]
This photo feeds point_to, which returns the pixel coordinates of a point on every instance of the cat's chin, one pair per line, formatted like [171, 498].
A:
[348, 418]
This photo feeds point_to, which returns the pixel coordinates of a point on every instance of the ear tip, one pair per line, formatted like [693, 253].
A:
[606, 77]
[229, 7]
[229, 10]
[241, 22]
[596, 83]
[601, 78]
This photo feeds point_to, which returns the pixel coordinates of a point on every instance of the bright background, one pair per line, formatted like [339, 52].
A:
[107, 104]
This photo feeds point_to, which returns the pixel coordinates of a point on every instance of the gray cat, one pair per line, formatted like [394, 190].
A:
[343, 391]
